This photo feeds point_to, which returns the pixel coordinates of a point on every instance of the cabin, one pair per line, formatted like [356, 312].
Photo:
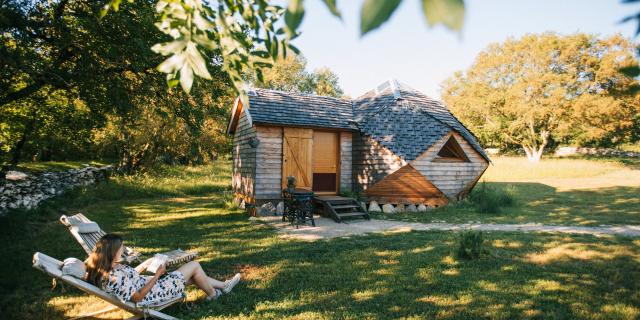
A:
[391, 145]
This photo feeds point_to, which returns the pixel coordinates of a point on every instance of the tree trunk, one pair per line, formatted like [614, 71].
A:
[534, 153]
[17, 150]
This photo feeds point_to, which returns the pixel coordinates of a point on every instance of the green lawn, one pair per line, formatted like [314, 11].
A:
[56, 165]
[575, 191]
[396, 275]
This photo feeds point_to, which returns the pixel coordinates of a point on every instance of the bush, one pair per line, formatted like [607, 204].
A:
[488, 199]
[471, 245]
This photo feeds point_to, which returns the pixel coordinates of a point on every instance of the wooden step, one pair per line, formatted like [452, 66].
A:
[344, 206]
[351, 214]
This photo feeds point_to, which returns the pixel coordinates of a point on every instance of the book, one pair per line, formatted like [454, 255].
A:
[179, 256]
[158, 260]
[170, 258]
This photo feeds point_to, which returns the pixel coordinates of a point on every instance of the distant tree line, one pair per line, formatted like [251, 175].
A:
[547, 89]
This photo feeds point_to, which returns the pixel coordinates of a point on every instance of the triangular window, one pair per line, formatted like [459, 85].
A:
[451, 152]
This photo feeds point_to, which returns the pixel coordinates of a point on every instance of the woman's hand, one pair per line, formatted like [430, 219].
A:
[140, 294]
[161, 270]
[143, 266]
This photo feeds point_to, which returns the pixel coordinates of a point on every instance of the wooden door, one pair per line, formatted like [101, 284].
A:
[325, 161]
[297, 151]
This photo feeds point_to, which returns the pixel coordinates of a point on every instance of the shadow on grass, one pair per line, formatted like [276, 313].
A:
[540, 203]
[375, 276]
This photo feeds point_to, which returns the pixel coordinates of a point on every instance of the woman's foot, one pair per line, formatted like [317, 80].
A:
[217, 295]
[229, 284]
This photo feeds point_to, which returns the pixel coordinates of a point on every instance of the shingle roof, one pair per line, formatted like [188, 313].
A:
[298, 109]
[406, 121]
[400, 118]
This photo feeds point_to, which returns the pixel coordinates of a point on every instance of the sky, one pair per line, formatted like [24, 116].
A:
[406, 49]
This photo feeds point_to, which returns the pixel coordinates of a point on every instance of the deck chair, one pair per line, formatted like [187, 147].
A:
[88, 240]
[53, 267]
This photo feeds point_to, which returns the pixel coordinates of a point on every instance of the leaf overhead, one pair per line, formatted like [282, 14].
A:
[293, 17]
[448, 12]
[376, 12]
[333, 8]
[632, 71]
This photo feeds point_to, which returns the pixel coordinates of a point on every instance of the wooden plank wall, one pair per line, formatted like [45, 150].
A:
[451, 177]
[244, 159]
[406, 186]
[371, 162]
[269, 163]
[346, 162]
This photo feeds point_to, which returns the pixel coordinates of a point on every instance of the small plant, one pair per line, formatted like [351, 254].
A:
[229, 200]
[350, 194]
[487, 199]
[471, 245]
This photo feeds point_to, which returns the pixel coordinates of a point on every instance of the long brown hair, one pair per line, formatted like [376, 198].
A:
[101, 258]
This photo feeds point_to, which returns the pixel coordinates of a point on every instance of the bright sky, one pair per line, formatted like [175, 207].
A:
[406, 49]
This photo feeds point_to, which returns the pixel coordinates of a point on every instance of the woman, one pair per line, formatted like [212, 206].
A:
[104, 271]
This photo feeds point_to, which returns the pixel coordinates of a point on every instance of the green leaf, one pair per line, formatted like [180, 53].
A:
[113, 4]
[448, 12]
[186, 78]
[331, 5]
[632, 71]
[375, 12]
[293, 17]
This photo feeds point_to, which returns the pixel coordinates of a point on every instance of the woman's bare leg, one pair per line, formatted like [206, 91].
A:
[194, 274]
[216, 283]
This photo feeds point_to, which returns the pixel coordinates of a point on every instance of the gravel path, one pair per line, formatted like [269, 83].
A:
[326, 228]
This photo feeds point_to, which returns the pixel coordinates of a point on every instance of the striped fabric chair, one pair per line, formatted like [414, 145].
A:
[53, 267]
[88, 240]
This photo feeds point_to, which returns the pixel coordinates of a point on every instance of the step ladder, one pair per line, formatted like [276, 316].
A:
[340, 208]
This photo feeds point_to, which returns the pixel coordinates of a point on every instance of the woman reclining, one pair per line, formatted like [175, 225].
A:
[125, 282]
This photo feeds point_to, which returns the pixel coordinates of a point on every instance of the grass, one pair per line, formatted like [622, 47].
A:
[395, 275]
[574, 191]
[35, 167]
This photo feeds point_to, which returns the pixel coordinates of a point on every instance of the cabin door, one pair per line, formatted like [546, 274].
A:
[297, 148]
[325, 162]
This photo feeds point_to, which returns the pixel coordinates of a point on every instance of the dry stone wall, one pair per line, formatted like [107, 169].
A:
[27, 191]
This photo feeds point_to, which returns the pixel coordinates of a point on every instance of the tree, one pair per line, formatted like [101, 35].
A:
[289, 74]
[246, 32]
[546, 87]
[69, 76]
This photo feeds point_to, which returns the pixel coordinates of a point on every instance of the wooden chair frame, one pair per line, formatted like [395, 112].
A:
[53, 267]
[88, 240]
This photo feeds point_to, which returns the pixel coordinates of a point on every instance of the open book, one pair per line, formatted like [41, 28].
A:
[158, 260]
[170, 258]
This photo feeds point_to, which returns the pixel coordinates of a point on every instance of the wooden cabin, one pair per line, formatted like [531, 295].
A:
[392, 145]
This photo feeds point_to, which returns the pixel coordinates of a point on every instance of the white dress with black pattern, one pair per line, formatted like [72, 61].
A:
[124, 281]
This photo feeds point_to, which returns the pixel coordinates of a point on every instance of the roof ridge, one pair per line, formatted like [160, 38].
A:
[303, 94]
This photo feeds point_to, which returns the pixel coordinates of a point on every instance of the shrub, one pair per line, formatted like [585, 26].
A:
[471, 245]
[351, 194]
[488, 199]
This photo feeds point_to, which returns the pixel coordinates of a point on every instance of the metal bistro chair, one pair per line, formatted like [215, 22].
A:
[298, 206]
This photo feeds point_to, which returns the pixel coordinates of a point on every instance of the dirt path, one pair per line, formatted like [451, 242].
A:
[326, 228]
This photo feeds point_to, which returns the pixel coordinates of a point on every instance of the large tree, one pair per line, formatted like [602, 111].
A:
[290, 74]
[545, 87]
[69, 75]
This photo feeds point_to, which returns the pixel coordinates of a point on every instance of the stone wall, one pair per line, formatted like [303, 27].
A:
[568, 151]
[27, 191]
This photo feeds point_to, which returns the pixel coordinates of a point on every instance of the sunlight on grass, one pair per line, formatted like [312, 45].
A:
[447, 301]
[577, 251]
[412, 275]
[520, 169]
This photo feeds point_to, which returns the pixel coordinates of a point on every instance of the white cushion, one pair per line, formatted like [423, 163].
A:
[73, 267]
[88, 227]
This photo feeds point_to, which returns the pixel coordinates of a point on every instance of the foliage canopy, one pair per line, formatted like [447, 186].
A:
[548, 88]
